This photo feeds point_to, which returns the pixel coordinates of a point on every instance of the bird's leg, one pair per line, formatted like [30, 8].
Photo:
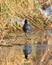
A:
[26, 36]
[29, 37]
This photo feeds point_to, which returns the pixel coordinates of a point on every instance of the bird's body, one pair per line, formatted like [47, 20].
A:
[27, 27]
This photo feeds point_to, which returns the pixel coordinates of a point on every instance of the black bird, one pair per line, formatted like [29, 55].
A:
[27, 50]
[27, 27]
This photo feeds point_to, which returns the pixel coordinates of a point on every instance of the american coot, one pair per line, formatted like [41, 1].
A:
[27, 50]
[27, 27]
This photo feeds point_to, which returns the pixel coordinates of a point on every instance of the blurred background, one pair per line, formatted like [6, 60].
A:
[12, 38]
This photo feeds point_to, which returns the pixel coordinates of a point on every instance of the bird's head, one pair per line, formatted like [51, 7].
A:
[25, 21]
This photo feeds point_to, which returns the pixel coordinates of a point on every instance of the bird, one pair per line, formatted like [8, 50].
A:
[27, 50]
[27, 28]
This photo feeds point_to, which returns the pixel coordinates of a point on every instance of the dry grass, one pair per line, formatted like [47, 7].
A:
[12, 33]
